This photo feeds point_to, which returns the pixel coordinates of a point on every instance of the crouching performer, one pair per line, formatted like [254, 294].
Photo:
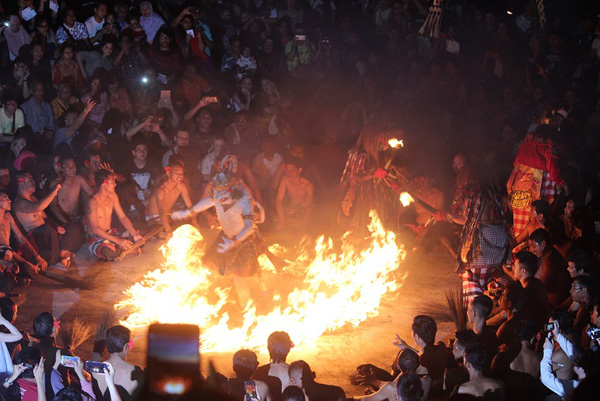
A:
[237, 247]
[104, 243]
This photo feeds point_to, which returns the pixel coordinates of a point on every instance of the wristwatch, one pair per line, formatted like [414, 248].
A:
[7, 381]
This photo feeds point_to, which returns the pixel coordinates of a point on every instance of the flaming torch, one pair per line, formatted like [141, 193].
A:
[406, 199]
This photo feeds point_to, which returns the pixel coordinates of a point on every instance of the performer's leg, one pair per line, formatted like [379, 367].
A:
[471, 285]
[242, 289]
[46, 241]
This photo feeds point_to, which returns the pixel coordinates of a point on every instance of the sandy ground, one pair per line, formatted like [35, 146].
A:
[334, 356]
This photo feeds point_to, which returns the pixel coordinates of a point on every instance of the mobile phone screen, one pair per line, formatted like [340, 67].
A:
[173, 358]
[250, 393]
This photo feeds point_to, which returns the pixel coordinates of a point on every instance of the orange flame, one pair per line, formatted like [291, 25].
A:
[396, 143]
[406, 199]
[338, 289]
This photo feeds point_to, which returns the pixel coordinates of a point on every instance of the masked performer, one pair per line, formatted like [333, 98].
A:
[361, 186]
[536, 175]
[238, 246]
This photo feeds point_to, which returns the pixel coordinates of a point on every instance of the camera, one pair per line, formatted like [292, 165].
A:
[6, 24]
[593, 332]
[95, 367]
[69, 361]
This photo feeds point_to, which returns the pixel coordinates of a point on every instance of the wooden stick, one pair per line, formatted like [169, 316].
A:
[139, 243]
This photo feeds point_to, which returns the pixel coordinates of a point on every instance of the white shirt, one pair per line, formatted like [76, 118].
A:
[6, 124]
[562, 388]
[92, 26]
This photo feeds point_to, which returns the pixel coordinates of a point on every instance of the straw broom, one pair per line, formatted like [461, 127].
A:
[75, 333]
[106, 322]
[457, 311]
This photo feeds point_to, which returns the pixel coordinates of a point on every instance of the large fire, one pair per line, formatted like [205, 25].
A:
[338, 288]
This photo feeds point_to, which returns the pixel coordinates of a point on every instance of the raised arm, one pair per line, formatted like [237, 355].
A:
[27, 206]
[13, 335]
[205, 101]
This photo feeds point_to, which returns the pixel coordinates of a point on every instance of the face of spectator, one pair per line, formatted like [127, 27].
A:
[135, 23]
[537, 249]
[10, 107]
[95, 85]
[218, 146]
[176, 174]
[20, 69]
[471, 314]
[205, 120]
[146, 10]
[140, 152]
[458, 351]
[292, 171]
[236, 47]
[298, 151]
[94, 163]
[182, 139]
[100, 12]
[5, 203]
[226, 15]
[572, 269]
[578, 293]
[110, 184]
[241, 121]
[569, 208]
[43, 28]
[70, 18]
[246, 52]
[164, 41]
[64, 93]
[38, 92]
[267, 86]
[37, 53]
[4, 180]
[27, 184]
[69, 168]
[596, 317]
[67, 54]
[246, 84]
[107, 49]
[190, 73]
[458, 163]
[268, 149]
[70, 118]
[122, 13]
[268, 46]
[15, 25]
[519, 272]
[187, 23]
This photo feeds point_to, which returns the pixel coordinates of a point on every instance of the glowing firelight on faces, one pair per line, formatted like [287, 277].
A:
[406, 199]
[338, 289]
[396, 143]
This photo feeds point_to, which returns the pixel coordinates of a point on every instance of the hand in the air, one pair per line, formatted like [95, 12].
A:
[224, 246]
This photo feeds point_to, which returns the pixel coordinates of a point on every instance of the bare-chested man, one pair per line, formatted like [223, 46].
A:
[102, 242]
[66, 204]
[164, 197]
[65, 207]
[7, 255]
[30, 213]
[300, 193]
[127, 376]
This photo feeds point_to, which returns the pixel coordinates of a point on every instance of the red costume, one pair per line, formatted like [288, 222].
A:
[536, 175]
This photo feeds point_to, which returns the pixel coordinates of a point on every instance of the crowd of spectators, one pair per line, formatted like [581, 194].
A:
[151, 97]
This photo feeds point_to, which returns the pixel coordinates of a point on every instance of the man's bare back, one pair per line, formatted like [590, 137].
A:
[126, 378]
[480, 386]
